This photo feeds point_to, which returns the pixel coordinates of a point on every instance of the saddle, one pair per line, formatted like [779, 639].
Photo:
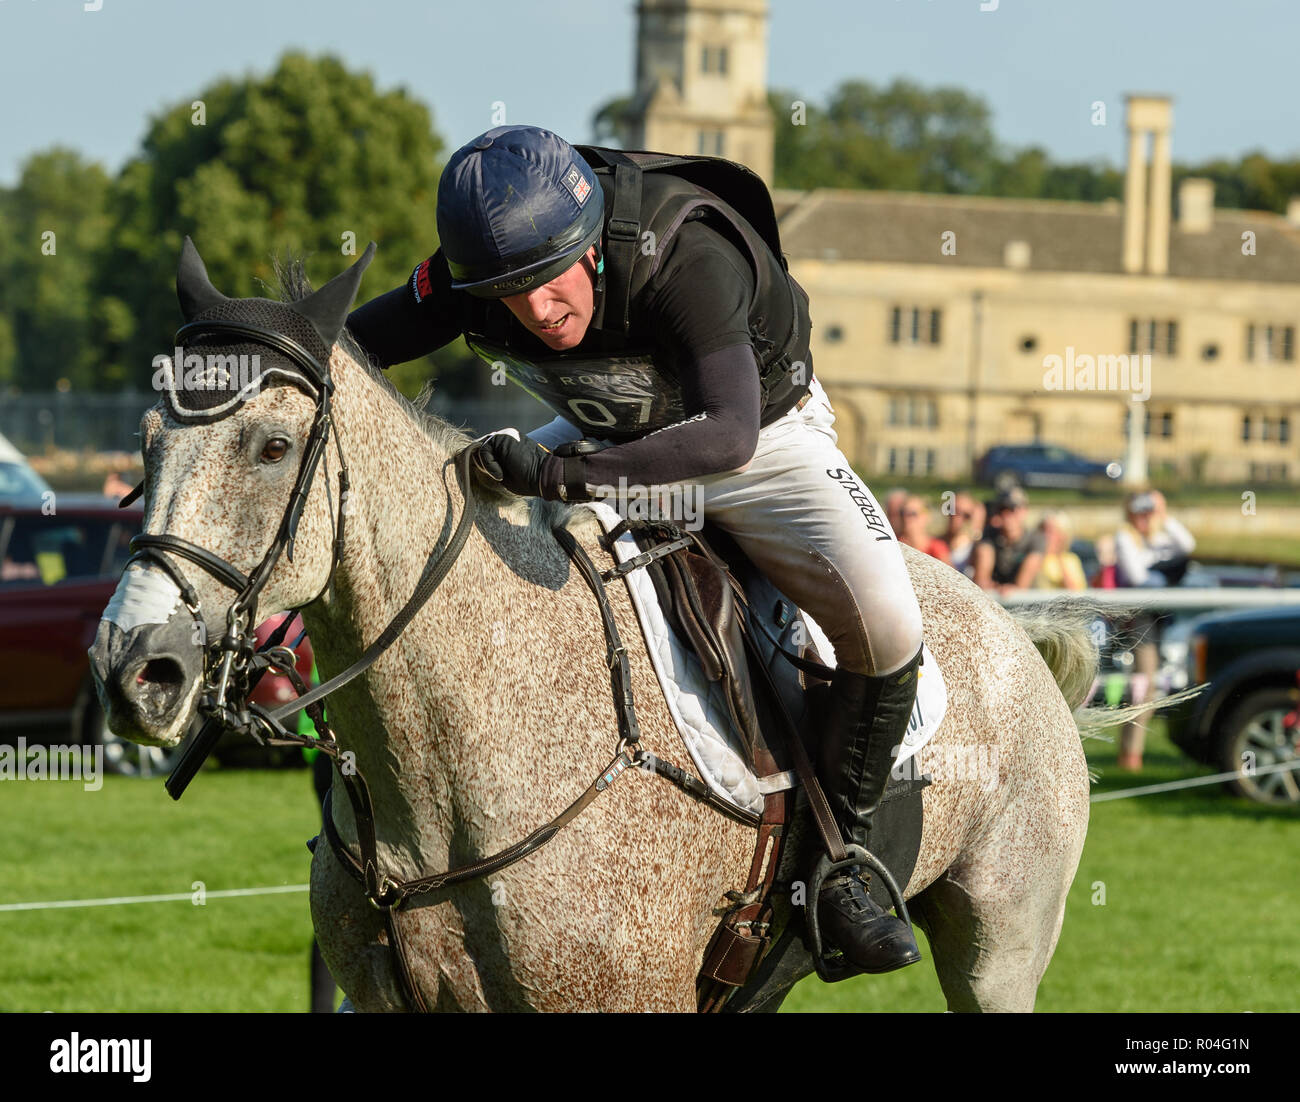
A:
[705, 605]
[736, 623]
[745, 633]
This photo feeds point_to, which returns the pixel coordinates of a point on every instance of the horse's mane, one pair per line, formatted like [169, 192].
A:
[293, 286]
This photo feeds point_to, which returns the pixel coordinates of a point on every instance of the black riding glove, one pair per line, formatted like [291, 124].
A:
[516, 464]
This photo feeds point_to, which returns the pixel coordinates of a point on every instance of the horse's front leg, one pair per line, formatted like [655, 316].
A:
[351, 935]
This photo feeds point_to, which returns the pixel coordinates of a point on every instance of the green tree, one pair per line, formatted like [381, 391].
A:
[902, 137]
[609, 124]
[54, 224]
[310, 160]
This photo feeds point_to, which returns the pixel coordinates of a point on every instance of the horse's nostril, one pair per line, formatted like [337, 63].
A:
[156, 686]
[161, 671]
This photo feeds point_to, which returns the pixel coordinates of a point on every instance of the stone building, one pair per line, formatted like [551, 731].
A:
[943, 325]
[701, 81]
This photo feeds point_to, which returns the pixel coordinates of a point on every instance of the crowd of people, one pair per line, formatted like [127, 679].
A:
[992, 543]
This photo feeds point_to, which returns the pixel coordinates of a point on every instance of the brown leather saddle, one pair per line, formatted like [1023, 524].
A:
[704, 605]
[749, 637]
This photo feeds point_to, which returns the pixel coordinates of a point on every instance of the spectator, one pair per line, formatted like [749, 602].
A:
[1009, 556]
[894, 509]
[915, 533]
[116, 486]
[1152, 548]
[965, 527]
[1105, 576]
[1061, 567]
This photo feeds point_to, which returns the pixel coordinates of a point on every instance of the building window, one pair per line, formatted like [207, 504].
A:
[1151, 336]
[1274, 430]
[913, 461]
[713, 59]
[1268, 472]
[1270, 343]
[915, 325]
[1159, 424]
[913, 411]
[711, 143]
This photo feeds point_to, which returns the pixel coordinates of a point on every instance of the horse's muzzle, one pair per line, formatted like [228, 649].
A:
[147, 678]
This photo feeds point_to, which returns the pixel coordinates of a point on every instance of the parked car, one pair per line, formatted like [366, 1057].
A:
[1040, 465]
[57, 574]
[19, 484]
[1248, 713]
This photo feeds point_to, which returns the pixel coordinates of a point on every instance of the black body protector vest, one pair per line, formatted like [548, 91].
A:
[625, 391]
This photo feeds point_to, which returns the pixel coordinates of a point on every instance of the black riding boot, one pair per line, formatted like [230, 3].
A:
[866, 718]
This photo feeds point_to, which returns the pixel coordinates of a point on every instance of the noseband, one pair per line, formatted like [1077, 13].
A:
[229, 665]
[233, 666]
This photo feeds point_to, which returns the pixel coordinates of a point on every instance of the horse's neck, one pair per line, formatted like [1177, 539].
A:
[406, 719]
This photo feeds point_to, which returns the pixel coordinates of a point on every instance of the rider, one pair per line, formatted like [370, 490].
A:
[677, 370]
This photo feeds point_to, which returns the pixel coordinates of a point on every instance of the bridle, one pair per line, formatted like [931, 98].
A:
[233, 665]
[232, 656]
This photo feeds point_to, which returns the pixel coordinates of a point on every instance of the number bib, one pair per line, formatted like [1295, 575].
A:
[614, 397]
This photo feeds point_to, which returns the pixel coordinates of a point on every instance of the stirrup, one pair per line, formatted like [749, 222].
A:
[835, 968]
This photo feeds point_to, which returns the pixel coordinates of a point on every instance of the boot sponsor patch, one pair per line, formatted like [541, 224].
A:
[875, 521]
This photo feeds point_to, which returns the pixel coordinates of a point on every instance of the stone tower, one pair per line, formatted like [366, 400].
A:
[701, 81]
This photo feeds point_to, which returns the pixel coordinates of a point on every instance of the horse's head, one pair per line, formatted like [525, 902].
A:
[240, 512]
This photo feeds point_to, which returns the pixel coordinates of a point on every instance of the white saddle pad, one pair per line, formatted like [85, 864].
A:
[699, 707]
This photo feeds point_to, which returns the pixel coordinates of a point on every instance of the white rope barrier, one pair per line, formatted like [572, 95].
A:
[284, 889]
[173, 897]
[1192, 782]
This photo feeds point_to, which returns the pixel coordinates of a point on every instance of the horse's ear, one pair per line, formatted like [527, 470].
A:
[327, 309]
[193, 287]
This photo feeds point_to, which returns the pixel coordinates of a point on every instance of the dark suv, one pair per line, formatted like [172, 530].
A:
[1248, 714]
[1039, 465]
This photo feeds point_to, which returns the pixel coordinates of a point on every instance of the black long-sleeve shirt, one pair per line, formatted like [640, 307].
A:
[695, 309]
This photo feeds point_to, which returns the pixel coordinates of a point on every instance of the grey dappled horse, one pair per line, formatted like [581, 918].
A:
[493, 710]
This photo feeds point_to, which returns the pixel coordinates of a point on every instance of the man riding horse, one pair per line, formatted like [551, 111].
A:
[653, 316]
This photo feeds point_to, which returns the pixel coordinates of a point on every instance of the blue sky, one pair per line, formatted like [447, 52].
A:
[91, 79]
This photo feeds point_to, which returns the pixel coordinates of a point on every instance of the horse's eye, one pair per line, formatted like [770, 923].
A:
[276, 449]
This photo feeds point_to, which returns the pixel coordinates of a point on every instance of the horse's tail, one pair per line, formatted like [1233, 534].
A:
[1063, 631]
[1067, 633]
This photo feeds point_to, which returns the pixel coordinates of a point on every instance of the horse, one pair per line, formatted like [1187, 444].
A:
[492, 709]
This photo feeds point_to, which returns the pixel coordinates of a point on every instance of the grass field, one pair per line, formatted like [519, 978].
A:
[1201, 901]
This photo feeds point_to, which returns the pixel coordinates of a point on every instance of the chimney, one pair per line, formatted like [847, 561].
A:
[1195, 205]
[1135, 198]
[1147, 202]
[1293, 210]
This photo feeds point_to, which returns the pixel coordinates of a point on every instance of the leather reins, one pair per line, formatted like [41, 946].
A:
[239, 665]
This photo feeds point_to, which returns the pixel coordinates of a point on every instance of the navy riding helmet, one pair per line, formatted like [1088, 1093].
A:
[517, 206]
